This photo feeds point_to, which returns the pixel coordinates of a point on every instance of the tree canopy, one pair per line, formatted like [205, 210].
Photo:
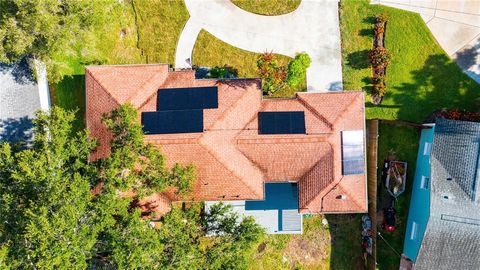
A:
[44, 29]
[51, 219]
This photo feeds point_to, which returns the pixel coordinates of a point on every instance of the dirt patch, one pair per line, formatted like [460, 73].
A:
[310, 249]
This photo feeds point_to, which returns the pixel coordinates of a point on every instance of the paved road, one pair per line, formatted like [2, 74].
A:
[312, 28]
[20, 97]
[454, 23]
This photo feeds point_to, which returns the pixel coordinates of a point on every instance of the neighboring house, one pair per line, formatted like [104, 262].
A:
[271, 158]
[443, 229]
[20, 98]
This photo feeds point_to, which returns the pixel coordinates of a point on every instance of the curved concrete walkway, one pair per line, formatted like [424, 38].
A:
[312, 28]
[455, 25]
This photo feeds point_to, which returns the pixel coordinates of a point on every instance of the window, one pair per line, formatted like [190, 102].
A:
[413, 234]
[427, 148]
[424, 182]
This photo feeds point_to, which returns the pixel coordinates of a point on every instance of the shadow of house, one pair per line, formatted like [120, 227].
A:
[438, 84]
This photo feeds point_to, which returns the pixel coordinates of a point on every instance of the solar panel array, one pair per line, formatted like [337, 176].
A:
[292, 122]
[180, 110]
[165, 122]
[187, 98]
[353, 154]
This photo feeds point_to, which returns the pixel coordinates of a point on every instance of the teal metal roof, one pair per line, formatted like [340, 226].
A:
[420, 198]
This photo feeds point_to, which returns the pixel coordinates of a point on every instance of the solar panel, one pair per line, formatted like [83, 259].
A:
[187, 98]
[281, 122]
[353, 155]
[165, 122]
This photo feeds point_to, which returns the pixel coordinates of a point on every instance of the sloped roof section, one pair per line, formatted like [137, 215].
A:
[232, 160]
[452, 235]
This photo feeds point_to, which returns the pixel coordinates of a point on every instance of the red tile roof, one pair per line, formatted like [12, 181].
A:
[232, 160]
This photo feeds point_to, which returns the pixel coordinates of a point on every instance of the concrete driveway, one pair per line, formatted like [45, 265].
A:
[312, 28]
[454, 23]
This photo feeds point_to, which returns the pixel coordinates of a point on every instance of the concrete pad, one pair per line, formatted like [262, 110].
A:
[462, 6]
[426, 18]
[312, 28]
[468, 19]
[452, 36]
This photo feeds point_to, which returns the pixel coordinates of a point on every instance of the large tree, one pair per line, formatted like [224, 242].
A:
[51, 219]
[44, 29]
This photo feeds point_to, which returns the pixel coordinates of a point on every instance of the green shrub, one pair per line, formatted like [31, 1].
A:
[379, 57]
[297, 69]
[224, 72]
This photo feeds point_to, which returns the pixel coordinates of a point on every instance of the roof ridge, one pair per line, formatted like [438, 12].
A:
[103, 87]
[228, 169]
[315, 112]
[231, 108]
[161, 85]
[145, 87]
[275, 140]
[346, 109]
[310, 170]
[350, 195]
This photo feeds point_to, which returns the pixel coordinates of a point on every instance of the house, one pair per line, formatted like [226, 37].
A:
[274, 159]
[443, 229]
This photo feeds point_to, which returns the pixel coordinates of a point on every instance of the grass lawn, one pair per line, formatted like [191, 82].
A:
[403, 142]
[210, 51]
[146, 31]
[159, 26]
[336, 246]
[420, 78]
[70, 94]
[268, 7]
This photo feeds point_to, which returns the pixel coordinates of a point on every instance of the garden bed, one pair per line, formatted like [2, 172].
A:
[379, 58]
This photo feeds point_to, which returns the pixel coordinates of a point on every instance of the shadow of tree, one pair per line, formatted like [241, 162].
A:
[368, 32]
[21, 71]
[16, 130]
[438, 84]
[346, 247]
[466, 58]
[358, 59]
[369, 20]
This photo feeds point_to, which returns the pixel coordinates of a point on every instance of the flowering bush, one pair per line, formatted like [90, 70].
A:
[273, 76]
[381, 18]
[379, 57]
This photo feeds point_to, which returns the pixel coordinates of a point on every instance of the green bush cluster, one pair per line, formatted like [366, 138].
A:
[297, 69]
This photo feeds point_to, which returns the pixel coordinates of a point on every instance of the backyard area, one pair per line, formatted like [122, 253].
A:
[401, 141]
[334, 246]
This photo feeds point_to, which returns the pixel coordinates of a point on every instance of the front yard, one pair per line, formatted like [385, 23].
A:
[420, 78]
